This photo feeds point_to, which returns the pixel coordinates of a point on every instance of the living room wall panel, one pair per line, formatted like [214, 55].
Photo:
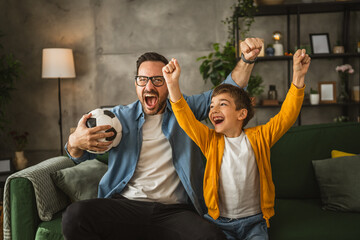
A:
[107, 37]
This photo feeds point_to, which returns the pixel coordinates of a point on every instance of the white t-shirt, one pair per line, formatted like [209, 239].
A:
[239, 188]
[155, 178]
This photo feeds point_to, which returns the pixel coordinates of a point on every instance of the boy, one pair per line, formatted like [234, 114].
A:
[238, 185]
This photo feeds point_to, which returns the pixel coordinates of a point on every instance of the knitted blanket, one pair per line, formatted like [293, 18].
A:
[49, 199]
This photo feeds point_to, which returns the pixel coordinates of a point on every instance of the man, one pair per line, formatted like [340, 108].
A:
[153, 186]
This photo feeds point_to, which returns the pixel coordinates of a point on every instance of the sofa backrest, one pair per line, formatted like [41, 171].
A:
[291, 156]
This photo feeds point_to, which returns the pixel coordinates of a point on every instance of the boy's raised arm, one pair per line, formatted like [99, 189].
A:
[300, 67]
[171, 74]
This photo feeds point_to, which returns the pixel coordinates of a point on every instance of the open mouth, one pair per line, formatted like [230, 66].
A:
[151, 100]
[218, 120]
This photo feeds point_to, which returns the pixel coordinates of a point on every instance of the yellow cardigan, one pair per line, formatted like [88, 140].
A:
[261, 138]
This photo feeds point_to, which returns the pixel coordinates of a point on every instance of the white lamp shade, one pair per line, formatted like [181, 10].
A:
[58, 63]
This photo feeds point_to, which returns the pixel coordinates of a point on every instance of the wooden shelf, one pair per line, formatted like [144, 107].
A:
[313, 56]
[299, 9]
[310, 105]
[305, 8]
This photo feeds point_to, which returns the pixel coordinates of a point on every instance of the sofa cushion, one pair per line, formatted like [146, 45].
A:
[336, 153]
[299, 219]
[339, 183]
[81, 181]
[291, 157]
[50, 229]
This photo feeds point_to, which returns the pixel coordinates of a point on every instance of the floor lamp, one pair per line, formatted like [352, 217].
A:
[58, 63]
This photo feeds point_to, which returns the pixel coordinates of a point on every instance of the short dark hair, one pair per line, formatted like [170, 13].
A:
[240, 96]
[150, 56]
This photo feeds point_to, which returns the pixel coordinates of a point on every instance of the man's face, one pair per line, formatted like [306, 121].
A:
[153, 99]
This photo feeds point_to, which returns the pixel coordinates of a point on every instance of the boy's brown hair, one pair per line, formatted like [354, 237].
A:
[240, 96]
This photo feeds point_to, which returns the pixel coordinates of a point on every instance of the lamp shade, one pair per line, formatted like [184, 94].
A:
[58, 63]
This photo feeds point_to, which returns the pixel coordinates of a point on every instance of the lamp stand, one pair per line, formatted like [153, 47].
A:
[60, 118]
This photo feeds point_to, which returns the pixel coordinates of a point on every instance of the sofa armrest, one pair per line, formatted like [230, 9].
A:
[30, 195]
[24, 216]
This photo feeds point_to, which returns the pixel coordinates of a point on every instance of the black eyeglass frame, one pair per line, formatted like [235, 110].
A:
[151, 79]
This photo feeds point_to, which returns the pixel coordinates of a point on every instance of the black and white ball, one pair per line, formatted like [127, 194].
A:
[101, 117]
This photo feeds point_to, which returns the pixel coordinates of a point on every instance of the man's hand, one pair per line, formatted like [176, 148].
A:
[251, 48]
[171, 74]
[301, 63]
[84, 138]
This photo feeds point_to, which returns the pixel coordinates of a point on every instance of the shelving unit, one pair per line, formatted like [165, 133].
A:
[298, 10]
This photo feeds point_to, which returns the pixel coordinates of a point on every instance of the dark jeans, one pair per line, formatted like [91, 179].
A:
[121, 218]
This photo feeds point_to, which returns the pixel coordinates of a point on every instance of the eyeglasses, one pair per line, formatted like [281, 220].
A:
[157, 81]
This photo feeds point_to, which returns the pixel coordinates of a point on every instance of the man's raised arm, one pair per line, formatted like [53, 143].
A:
[250, 49]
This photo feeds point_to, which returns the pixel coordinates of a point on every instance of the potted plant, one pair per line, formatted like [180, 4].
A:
[344, 72]
[9, 72]
[245, 9]
[20, 140]
[255, 87]
[219, 63]
[338, 48]
[314, 97]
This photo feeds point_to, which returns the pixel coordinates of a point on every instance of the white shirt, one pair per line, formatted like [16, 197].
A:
[239, 188]
[155, 178]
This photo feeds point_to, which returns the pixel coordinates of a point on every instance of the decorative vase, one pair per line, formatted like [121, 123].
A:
[279, 49]
[343, 89]
[253, 101]
[270, 51]
[20, 161]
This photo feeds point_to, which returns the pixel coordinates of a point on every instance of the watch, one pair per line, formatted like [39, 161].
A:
[247, 61]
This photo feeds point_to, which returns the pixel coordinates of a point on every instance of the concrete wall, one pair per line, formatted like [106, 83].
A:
[107, 37]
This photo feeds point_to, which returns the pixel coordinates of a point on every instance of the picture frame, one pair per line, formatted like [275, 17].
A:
[6, 166]
[6, 169]
[327, 91]
[320, 43]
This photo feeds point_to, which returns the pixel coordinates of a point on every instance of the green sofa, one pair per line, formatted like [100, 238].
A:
[298, 211]
[298, 206]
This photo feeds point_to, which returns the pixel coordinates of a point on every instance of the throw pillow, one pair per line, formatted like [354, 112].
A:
[81, 181]
[336, 153]
[339, 183]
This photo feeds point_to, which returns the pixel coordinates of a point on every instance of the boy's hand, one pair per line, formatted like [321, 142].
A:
[251, 48]
[171, 72]
[301, 63]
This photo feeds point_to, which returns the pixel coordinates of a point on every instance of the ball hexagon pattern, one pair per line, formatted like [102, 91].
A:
[101, 117]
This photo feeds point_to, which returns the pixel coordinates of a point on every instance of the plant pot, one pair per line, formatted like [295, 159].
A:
[20, 161]
[314, 99]
[338, 49]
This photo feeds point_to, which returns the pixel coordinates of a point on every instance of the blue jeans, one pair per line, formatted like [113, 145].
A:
[247, 228]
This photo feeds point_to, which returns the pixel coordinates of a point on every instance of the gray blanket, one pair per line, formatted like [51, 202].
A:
[49, 199]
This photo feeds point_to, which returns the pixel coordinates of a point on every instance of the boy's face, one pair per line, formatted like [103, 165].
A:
[224, 116]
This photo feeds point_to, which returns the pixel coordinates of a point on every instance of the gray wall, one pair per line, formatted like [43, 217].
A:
[107, 37]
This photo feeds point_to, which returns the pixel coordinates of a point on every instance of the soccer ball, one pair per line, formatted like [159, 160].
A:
[101, 117]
